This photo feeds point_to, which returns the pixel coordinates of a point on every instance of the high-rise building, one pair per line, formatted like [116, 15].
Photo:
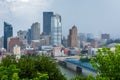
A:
[64, 42]
[105, 36]
[56, 30]
[73, 37]
[29, 36]
[45, 38]
[47, 22]
[35, 31]
[1, 42]
[22, 35]
[8, 32]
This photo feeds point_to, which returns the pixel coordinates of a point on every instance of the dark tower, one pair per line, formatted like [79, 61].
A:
[8, 32]
[47, 22]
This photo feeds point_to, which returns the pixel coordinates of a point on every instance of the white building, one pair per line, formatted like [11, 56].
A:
[17, 52]
[57, 51]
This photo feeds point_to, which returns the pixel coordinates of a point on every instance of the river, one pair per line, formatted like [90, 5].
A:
[68, 73]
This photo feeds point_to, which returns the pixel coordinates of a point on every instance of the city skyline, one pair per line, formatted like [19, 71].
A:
[89, 16]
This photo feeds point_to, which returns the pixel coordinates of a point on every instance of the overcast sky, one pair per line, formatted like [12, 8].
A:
[90, 16]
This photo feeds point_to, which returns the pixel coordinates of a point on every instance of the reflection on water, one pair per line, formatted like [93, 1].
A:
[68, 73]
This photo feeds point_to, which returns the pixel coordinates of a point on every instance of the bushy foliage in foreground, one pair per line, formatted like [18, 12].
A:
[30, 68]
[107, 63]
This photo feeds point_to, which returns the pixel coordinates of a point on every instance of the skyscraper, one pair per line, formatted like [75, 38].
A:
[56, 30]
[47, 22]
[72, 37]
[8, 32]
[22, 35]
[29, 36]
[35, 31]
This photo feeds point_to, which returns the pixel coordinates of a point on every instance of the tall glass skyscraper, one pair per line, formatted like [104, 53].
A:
[47, 22]
[56, 30]
[8, 32]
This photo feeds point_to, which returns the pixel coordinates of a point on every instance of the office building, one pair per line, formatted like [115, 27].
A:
[8, 32]
[45, 39]
[47, 22]
[35, 31]
[73, 37]
[1, 42]
[12, 41]
[105, 36]
[22, 35]
[29, 36]
[56, 30]
[65, 42]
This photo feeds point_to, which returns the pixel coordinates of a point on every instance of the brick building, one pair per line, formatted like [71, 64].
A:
[73, 37]
[12, 41]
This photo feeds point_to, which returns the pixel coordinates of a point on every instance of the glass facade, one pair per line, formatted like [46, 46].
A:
[47, 22]
[56, 30]
[8, 32]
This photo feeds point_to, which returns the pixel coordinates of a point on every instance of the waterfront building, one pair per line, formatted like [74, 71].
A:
[56, 30]
[73, 37]
[47, 22]
[8, 32]
[35, 31]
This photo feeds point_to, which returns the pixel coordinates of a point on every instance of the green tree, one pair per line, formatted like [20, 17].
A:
[15, 76]
[46, 64]
[8, 60]
[27, 67]
[41, 67]
[107, 63]
[80, 77]
[7, 72]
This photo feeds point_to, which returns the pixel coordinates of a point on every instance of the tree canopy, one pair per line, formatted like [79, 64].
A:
[41, 67]
[107, 63]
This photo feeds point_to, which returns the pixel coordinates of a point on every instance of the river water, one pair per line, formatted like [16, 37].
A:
[68, 73]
